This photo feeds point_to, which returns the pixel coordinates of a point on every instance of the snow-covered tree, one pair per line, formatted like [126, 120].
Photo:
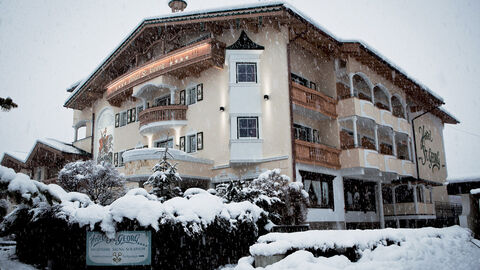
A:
[165, 179]
[101, 181]
[285, 201]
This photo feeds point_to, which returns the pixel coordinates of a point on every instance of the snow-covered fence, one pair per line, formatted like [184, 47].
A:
[197, 231]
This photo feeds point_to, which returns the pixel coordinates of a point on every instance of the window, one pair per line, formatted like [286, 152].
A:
[246, 72]
[302, 133]
[192, 143]
[162, 101]
[247, 127]
[123, 118]
[191, 96]
[139, 110]
[359, 195]
[299, 80]
[319, 188]
[120, 159]
[165, 143]
[404, 194]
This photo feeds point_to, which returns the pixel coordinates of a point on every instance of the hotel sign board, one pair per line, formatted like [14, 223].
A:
[126, 248]
[176, 59]
[430, 149]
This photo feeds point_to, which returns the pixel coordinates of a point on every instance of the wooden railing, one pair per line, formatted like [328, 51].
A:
[314, 100]
[317, 154]
[163, 113]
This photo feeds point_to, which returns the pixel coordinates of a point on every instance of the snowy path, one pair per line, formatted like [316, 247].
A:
[7, 263]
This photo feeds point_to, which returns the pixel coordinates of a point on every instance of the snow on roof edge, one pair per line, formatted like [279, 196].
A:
[448, 113]
[247, 6]
[20, 156]
[464, 179]
[367, 46]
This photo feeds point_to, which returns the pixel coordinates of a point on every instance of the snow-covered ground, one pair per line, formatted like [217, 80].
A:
[8, 261]
[426, 248]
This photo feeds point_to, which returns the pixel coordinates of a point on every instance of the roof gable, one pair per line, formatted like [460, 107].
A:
[245, 43]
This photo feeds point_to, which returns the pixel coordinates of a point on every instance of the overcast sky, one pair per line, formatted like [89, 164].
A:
[45, 46]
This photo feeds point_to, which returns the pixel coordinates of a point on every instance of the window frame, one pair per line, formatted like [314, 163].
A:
[362, 188]
[161, 98]
[139, 109]
[155, 143]
[191, 99]
[189, 139]
[120, 123]
[254, 64]
[257, 129]
[323, 179]
[298, 128]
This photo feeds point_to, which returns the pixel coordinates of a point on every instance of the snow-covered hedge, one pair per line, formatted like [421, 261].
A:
[178, 225]
[425, 248]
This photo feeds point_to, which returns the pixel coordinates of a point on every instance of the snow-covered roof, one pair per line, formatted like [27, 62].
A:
[61, 146]
[475, 191]
[53, 143]
[443, 110]
[20, 156]
[196, 14]
[464, 179]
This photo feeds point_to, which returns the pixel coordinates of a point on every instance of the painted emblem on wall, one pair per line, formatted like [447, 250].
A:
[105, 149]
[104, 136]
[428, 156]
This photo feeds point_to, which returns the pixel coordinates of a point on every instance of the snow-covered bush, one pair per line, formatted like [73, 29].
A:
[4, 205]
[101, 181]
[165, 179]
[285, 201]
[199, 225]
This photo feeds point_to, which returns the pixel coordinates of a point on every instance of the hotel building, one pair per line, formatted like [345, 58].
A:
[236, 91]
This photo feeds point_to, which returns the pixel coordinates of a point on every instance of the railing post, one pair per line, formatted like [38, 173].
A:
[355, 137]
[394, 143]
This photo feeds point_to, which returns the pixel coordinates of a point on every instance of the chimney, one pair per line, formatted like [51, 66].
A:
[177, 5]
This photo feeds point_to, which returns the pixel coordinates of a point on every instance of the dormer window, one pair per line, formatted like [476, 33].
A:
[246, 72]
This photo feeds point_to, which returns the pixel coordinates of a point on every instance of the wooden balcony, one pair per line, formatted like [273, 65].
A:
[314, 100]
[317, 154]
[162, 117]
[187, 61]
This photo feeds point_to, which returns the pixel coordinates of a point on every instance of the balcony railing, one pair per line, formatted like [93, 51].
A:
[182, 62]
[317, 154]
[314, 100]
[402, 209]
[163, 113]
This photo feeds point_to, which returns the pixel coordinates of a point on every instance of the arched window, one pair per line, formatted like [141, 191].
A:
[381, 98]
[397, 107]
[361, 88]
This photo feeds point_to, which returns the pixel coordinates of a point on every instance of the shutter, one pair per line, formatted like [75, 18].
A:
[134, 114]
[129, 116]
[117, 120]
[182, 97]
[200, 141]
[182, 143]
[200, 92]
[115, 159]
